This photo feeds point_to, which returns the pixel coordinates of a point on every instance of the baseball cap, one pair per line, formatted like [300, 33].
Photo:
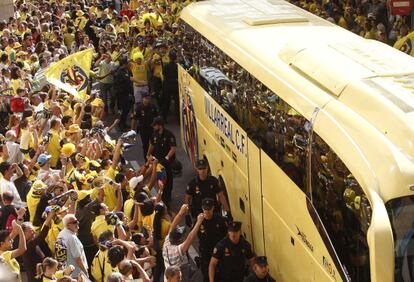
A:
[38, 187]
[201, 164]
[133, 182]
[207, 203]
[82, 194]
[234, 226]
[158, 121]
[261, 260]
[43, 158]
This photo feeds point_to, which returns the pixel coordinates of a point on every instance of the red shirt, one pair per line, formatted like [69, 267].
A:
[128, 13]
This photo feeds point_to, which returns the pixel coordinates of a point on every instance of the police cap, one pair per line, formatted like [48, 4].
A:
[207, 203]
[234, 226]
[201, 164]
[261, 260]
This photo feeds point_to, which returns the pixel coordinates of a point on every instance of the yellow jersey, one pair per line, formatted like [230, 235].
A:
[100, 225]
[54, 147]
[12, 263]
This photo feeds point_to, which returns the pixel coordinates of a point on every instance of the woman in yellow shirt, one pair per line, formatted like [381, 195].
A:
[16, 79]
[48, 270]
[6, 245]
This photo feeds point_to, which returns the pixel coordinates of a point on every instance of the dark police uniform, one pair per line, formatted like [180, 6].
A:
[162, 144]
[232, 259]
[262, 262]
[199, 190]
[210, 233]
[253, 278]
[145, 115]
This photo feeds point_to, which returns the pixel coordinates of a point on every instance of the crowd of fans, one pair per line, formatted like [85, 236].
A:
[71, 209]
[370, 19]
[74, 208]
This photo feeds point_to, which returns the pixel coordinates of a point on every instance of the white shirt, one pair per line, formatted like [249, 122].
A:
[15, 156]
[69, 247]
[52, 173]
[6, 185]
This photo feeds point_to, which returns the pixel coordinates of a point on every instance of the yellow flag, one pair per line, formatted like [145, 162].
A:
[405, 44]
[71, 74]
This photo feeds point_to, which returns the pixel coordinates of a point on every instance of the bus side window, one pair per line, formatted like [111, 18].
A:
[343, 208]
[272, 124]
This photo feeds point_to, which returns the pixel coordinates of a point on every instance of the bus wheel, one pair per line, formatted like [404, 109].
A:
[224, 189]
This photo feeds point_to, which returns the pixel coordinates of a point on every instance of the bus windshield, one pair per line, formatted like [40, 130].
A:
[401, 213]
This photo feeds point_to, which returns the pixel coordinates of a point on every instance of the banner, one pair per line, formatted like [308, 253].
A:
[71, 74]
[405, 44]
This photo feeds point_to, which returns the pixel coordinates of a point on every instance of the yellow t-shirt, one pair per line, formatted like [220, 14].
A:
[53, 234]
[15, 84]
[80, 22]
[32, 202]
[58, 274]
[12, 263]
[54, 147]
[133, 4]
[148, 222]
[100, 225]
[101, 266]
[165, 227]
[68, 39]
[139, 72]
[110, 193]
[26, 139]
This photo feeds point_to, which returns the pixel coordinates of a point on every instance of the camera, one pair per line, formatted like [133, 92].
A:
[46, 139]
[44, 114]
[111, 218]
[129, 136]
[61, 199]
[97, 131]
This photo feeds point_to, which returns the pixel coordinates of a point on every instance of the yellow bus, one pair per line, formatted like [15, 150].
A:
[309, 129]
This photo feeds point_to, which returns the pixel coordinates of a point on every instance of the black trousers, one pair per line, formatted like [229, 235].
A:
[124, 105]
[170, 93]
[157, 89]
[204, 263]
[159, 267]
[145, 133]
[165, 105]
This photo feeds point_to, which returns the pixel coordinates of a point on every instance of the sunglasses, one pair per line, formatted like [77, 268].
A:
[74, 222]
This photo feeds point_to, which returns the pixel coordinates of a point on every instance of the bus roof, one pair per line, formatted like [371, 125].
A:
[296, 53]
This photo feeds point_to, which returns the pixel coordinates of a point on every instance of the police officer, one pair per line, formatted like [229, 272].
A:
[230, 255]
[204, 186]
[163, 146]
[144, 115]
[260, 271]
[211, 231]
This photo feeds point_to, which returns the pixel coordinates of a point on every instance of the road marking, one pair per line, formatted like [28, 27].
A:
[134, 165]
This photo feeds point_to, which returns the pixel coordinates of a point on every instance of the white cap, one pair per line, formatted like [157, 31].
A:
[133, 182]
